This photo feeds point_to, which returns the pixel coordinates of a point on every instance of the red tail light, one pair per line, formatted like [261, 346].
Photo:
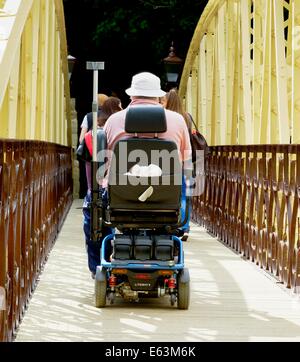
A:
[143, 276]
[172, 283]
[112, 281]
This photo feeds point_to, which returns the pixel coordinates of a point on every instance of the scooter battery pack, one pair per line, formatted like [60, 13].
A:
[143, 248]
[164, 249]
[122, 247]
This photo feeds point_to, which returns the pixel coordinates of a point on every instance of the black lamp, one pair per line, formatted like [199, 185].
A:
[172, 65]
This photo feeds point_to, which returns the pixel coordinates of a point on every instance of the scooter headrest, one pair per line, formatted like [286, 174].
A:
[145, 119]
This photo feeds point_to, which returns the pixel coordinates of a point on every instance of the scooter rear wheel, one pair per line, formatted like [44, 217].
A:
[100, 293]
[183, 290]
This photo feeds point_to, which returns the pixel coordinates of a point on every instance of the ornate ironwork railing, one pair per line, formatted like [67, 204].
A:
[35, 196]
[251, 202]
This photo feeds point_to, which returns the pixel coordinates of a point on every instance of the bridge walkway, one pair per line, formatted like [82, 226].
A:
[231, 299]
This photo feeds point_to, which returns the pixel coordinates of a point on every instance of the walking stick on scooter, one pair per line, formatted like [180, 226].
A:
[96, 203]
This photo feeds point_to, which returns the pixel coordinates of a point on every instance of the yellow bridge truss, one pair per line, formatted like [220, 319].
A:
[34, 86]
[241, 79]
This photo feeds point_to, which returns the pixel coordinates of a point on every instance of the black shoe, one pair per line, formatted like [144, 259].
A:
[185, 237]
[179, 233]
[93, 275]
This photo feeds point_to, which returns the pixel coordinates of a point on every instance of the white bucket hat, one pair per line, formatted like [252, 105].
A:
[145, 85]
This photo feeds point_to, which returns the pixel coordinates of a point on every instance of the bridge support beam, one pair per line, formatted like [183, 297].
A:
[34, 88]
[241, 78]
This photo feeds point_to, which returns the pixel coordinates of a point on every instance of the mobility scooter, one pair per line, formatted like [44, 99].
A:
[144, 257]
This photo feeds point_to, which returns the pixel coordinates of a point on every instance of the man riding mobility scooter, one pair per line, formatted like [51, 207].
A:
[145, 258]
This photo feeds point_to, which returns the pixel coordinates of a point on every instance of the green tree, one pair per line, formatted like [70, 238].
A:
[148, 25]
[130, 36]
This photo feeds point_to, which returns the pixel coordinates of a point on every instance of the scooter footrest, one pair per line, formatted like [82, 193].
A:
[164, 248]
[143, 248]
[122, 247]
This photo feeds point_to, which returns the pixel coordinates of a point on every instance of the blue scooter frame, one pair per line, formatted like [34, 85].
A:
[165, 278]
[136, 264]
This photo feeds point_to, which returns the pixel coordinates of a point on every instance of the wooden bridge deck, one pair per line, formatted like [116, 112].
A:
[231, 299]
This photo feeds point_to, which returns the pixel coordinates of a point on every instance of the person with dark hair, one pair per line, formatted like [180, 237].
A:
[173, 102]
[87, 123]
[110, 105]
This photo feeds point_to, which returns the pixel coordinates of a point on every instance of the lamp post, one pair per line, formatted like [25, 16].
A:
[172, 64]
[71, 62]
[95, 67]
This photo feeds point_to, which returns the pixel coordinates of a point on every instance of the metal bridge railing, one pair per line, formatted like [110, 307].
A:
[251, 202]
[35, 196]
